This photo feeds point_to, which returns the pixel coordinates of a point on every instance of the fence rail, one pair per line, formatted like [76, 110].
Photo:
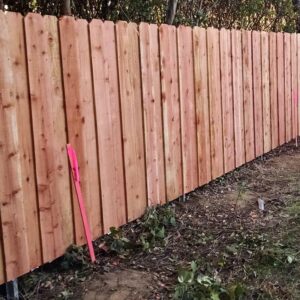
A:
[153, 113]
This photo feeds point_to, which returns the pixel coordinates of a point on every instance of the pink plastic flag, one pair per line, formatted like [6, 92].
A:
[75, 174]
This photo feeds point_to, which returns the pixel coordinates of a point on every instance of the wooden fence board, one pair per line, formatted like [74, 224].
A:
[294, 83]
[266, 91]
[152, 107]
[273, 90]
[287, 86]
[107, 106]
[248, 95]
[19, 212]
[187, 107]
[171, 111]
[257, 93]
[202, 104]
[237, 75]
[47, 111]
[298, 84]
[280, 88]
[78, 89]
[132, 118]
[227, 100]
[215, 104]
[2, 261]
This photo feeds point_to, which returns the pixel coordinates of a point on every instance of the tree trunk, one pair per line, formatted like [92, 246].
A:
[66, 8]
[171, 11]
[1, 5]
[297, 10]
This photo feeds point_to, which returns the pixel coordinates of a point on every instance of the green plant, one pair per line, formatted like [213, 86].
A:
[195, 286]
[154, 224]
[117, 242]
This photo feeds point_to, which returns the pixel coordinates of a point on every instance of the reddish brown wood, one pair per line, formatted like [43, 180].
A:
[202, 104]
[132, 118]
[227, 100]
[294, 82]
[215, 104]
[152, 106]
[266, 91]
[248, 95]
[187, 107]
[18, 202]
[237, 75]
[47, 109]
[171, 111]
[273, 90]
[257, 93]
[107, 105]
[287, 86]
[280, 88]
[81, 125]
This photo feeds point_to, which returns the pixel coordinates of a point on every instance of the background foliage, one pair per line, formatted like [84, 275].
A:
[274, 15]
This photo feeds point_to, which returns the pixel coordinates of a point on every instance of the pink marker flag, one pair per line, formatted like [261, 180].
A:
[75, 174]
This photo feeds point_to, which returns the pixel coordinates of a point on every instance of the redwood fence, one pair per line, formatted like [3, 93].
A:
[153, 113]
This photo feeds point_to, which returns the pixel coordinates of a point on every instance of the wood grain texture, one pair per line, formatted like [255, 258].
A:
[171, 111]
[266, 91]
[257, 93]
[287, 86]
[202, 104]
[2, 261]
[107, 106]
[132, 118]
[227, 100]
[294, 83]
[152, 108]
[273, 89]
[187, 108]
[215, 104]
[280, 88]
[298, 84]
[18, 201]
[81, 126]
[248, 95]
[237, 75]
[48, 118]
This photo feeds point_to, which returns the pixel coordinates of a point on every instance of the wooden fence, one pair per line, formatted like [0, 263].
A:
[153, 113]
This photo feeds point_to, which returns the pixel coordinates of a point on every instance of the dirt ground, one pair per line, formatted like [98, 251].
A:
[219, 226]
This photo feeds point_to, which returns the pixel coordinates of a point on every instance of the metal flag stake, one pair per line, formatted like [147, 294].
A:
[75, 174]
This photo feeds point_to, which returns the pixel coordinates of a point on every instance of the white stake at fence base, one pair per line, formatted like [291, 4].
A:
[12, 291]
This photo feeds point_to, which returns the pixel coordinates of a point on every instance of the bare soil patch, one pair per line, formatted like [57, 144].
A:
[219, 226]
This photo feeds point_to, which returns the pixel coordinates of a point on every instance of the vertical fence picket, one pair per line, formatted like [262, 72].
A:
[152, 108]
[266, 91]
[132, 118]
[215, 104]
[248, 95]
[107, 106]
[2, 262]
[187, 108]
[227, 100]
[19, 212]
[287, 87]
[294, 83]
[237, 75]
[273, 90]
[281, 88]
[202, 104]
[257, 93]
[298, 84]
[48, 118]
[171, 111]
[78, 90]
